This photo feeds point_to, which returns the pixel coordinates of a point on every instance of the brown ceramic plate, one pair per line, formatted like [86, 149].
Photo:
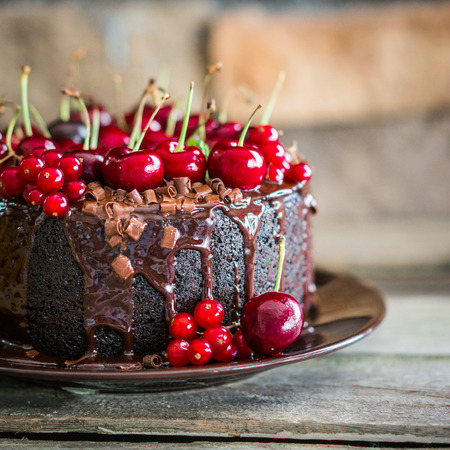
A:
[348, 311]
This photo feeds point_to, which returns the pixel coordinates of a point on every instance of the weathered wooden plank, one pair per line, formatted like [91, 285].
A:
[337, 397]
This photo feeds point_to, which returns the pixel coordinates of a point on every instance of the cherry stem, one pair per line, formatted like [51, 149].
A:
[84, 113]
[273, 98]
[247, 126]
[95, 128]
[64, 109]
[118, 101]
[206, 82]
[152, 117]
[24, 94]
[182, 138]
[174, 115]
[211, 108]
[282, 252]
[40, 121]
[9, 133]
[140, 111]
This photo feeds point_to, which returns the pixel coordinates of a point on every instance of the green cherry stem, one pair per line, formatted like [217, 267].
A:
[152, 117]
[95, 128]
[174, 116]
[9, 133]
[40, 121]
[182, 138]
[24, 94]
[282, 253]
[206, 82]
[273, 98]
[247, 126]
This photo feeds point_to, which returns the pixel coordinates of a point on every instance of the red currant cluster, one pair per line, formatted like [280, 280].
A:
[216, 341]
[45, 177]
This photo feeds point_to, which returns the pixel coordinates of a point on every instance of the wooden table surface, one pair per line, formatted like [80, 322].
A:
[392, 388]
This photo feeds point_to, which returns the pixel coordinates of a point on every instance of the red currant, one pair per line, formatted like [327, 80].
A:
[219, 337]
[56, 205]
[200, 352]
[243, 350]
[33, 195]
[299, 172]
[30, 166]
[71, 166]
[226, 354]
[11, 183]
[52, 157]
[74, 189]
[183, 326]
[209, 312]
[50, 179]
[274, 174]
[177, 352]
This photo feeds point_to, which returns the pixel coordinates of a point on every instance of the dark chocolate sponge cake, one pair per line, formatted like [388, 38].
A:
[104, 282]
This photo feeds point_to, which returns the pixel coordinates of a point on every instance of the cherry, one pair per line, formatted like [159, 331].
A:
[200, 352]
[71, 166]
[68, 133]
[263, 134]
[141, 170]
[4, 155]
[275, 174]
[74, 189]
[50, 179]
[147, 112]
[152, 139]
[177, 352]
[30, 166]
[183, 326]
[226, 354]
[56, 204]
[299, 172]
[209, 312]
[11, 182]
[33, 195]
[28, 144]
[92, 162]
[112, 136]
[243, 350]
[51, 158]
[219, 337]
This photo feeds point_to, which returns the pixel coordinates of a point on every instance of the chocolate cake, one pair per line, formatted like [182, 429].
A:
[102, 283]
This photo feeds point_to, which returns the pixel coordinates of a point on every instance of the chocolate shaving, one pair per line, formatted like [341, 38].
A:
[120, 195]
[113, 227]
[188, 205]
[166, 191]
[32, 353]
[135, 228]
[95, 209]
[216, 184]
[191, 195]
[197, 184]
[137, 365]
[178, 202]
[212, 198]
[149, 197]
[182, 185]
[134, 198]
[74, 361]
[234, 196]
[170, 237]
[109, 193]
[122, 266]
[152, 361]
[203, 190]
[223, 192]
[115, 240]
[95, 191]
[119, 210]
[168, 207]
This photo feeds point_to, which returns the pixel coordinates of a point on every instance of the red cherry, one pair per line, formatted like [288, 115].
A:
[153, 138]
[243, 350]
[219, 337]
[50, 157]
[227, 354]
[74, 189]
[183, 326]
[141, 170]
[71, 166]
[190, 162]
[26, 145]
[72, 131]
[50, 179]
[30, 166]
[273, 152]
[238, 167]
[33, 195]
[112, 136]
[209, 312]
[228, 130]
[177, 352]
[299, 172]
[200, 352]
[11, 182]
[262, 134]
[271, 322]
[56, 204]
[3, 153]
[92, 162]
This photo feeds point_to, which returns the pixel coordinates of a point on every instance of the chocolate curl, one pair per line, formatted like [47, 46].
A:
[152, 361]
[166, 191]
[235, 196]
[196, 185]
[168, 207]
[149, 197]
[32, 353]
[216, 184]
[178, 202]
[113, 227]
[135, 228]
[192, 195]
[134, 198]
[75, 361]
[95, 191]
[212, 198]
[202, 190]
[182, 185]
[170, 237]
[94, 209]
[115, 240]
[120, 195]
[109, 193]
[122, 266]
[133, 366]
[118, 210]
[188, 205]
[224, 192]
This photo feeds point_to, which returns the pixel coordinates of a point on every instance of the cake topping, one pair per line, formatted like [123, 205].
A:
[134, 198]
[135, 228]
[149, 197]
[113, 227]
[95, 191]
[170, 237]
[182, 184]
[122, 266]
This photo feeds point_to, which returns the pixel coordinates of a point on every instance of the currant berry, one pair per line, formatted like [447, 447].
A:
[30, 166]
[33, 195]
[200, 352]
[219, 337]
[56, 204]
[50, 179]
[209, 312]
[11, 183]
[74, 189]
[71, 166]
[299, 172]
[226, 354]
[51, 157]
[177, 352]
[183, 326]
[243, 350]
[274, 174]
